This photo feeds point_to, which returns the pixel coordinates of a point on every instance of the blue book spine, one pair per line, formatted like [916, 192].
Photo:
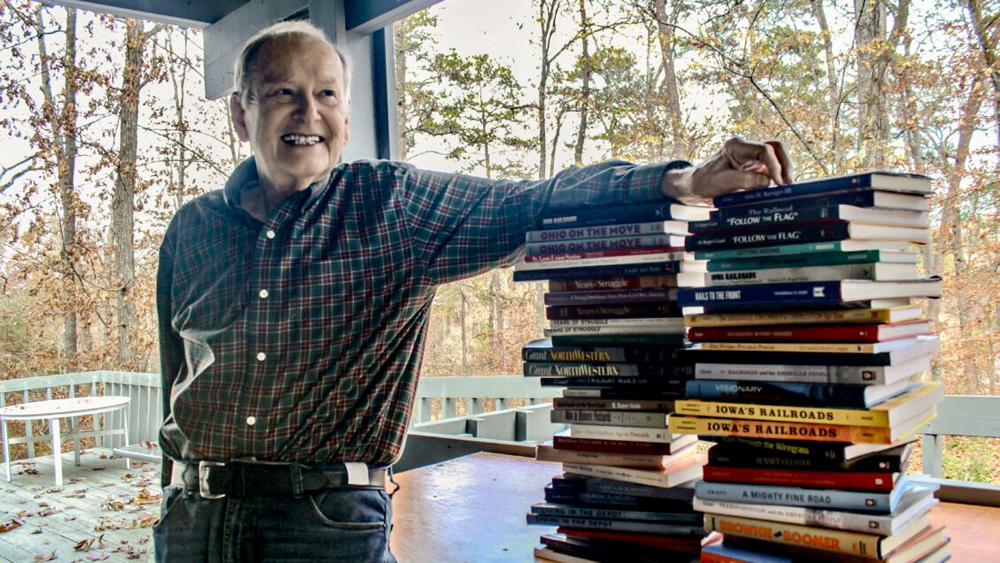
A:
[614, 215]
[775, 217]
[565, 298]
[836, 499]
[596, 485]
[843, 183]
[860, 197]
[778, 392]
[767, 236]
[798, 293]
[624, 270]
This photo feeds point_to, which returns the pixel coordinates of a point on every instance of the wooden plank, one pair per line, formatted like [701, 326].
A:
[966, 415]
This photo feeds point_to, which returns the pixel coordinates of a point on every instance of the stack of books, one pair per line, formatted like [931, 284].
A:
[614, 327]
[808, 352]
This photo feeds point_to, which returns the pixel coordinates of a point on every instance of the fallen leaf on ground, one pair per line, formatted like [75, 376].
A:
[9, 526]
[98, 556]
[148, 521]
[145, 497]
[83, 545]
[46, 556]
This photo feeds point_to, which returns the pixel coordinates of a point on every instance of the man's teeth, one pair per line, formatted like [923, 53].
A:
[301, 139]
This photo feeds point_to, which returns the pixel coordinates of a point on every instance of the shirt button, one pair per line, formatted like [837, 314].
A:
[251, 421]
[269, 233]
[261, 356]
[263, 294]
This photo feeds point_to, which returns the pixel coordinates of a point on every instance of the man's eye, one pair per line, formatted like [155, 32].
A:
[284, 93]
[328, 93]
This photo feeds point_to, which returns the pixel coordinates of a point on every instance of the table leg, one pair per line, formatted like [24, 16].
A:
[56, 449]
[6, 451]
[128, 460]
[74, 427]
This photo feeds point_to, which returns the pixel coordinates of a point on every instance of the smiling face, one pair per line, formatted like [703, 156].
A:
[296, 117]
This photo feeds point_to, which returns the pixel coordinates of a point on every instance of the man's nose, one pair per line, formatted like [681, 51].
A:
[307, 109]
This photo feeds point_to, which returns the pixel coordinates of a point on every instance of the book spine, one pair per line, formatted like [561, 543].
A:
[610, 418]
[630, 338]
[722, 456]
[633, 297]
[779, 430]
[645, 383]
[808, 260]
[620, 525]
[855, 375]
[695, 356]
[783, 413]
[653, 268]
[653, 462]
[638, 476]
[789, 275]
[761, 251]
[838, 520]
[558, 369]
[635, 328]
[832, 453]
[791, 317]
[805, 347]
[805, 293]
[794, 496]
[608, 231]
[778, 392]
[853, 333]
[824, 186]
[611, 446]
[776, 216]
[617, 246]
[767, 237]
[630, 355]
[613, 283]
[865, 481]
[837, 541]
[626, 433]
[622, 311]
[616, 490]
[631, 259]
[611, 216]
[862, 198]
[663, 322]
[614, 404]
[690, 519]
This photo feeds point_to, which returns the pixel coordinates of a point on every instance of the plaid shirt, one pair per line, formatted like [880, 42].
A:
[300, 338]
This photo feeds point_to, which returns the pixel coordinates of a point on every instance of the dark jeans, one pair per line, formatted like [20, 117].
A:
[342, 524]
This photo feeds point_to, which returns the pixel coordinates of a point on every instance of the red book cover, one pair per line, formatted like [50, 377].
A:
[805, 333]
[652, 540]
[602, 253]
[612, 283]
[616, 446]
[826, 479]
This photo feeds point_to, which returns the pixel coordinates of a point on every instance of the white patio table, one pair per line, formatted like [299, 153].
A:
[55, 409]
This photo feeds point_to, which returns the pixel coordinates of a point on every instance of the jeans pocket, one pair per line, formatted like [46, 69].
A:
[349, 509]
[171, 497]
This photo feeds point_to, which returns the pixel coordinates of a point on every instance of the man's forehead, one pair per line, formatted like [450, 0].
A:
[282, 59]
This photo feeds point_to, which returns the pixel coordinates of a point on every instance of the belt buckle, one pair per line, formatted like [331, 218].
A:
[204, 467]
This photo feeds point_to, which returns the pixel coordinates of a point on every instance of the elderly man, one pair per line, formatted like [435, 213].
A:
[293, 305]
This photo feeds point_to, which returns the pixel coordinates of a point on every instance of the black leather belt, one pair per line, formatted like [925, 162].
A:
[213, 479]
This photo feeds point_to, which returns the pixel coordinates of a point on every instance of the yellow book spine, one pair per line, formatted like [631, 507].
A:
[781, 413]
[837, 541]
[790, 347]
[779, 430]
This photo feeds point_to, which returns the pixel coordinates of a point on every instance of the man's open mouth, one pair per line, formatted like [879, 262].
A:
[301, 140]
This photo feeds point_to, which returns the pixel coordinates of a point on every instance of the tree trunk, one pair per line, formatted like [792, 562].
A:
[465, 347]
[180, 125]
[988, 46]
[833, 109]
[64, 130]
[671, 88]
[123, 198]
[581, 132]
[399, 59]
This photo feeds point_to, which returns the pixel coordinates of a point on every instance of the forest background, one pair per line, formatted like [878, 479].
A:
[106, 133]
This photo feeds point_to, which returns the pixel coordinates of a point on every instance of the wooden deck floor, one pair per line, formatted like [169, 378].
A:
[96, 503]
[99, 499]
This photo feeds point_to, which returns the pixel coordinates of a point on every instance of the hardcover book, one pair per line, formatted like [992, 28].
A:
[851, 375]
[608, 231]
[545, 452]
[562, 251]
[637, 212]
[568, 482]
[878, 180]
[831, 452]
[803, 248]
[674, 475]
[618, 283]
[798, 234]
[566, 441]
[789, 394]
[819, 259]
[552, 509]
[795, 430]
[814, 333]
[630, 297]
[581, 369]
[791, 212]
[609, 271]
[925, 346]
[844, 316]
[894, 459]
[807, 293]
[857, 481]
[631, 258]
[833, 499]
[610, 418]
[612, 311]
[876, 271]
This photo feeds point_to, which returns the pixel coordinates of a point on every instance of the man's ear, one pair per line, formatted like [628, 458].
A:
[239, 116]
[347, 127]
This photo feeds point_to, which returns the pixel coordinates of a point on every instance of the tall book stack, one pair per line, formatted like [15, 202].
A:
[808, 353]
[614, 327]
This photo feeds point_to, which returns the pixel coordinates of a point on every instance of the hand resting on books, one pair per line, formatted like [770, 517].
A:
[740, 165]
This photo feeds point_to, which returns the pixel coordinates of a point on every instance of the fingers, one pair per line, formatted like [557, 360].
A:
[726, 181]
[740, 151]
[782, 156]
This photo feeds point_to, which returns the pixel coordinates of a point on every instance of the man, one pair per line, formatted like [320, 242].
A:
[293, 304]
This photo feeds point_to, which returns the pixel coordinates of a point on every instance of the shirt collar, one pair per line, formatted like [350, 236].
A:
[245, 176]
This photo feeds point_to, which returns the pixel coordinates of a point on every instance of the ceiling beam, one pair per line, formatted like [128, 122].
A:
[366, 16]
[184, 13]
